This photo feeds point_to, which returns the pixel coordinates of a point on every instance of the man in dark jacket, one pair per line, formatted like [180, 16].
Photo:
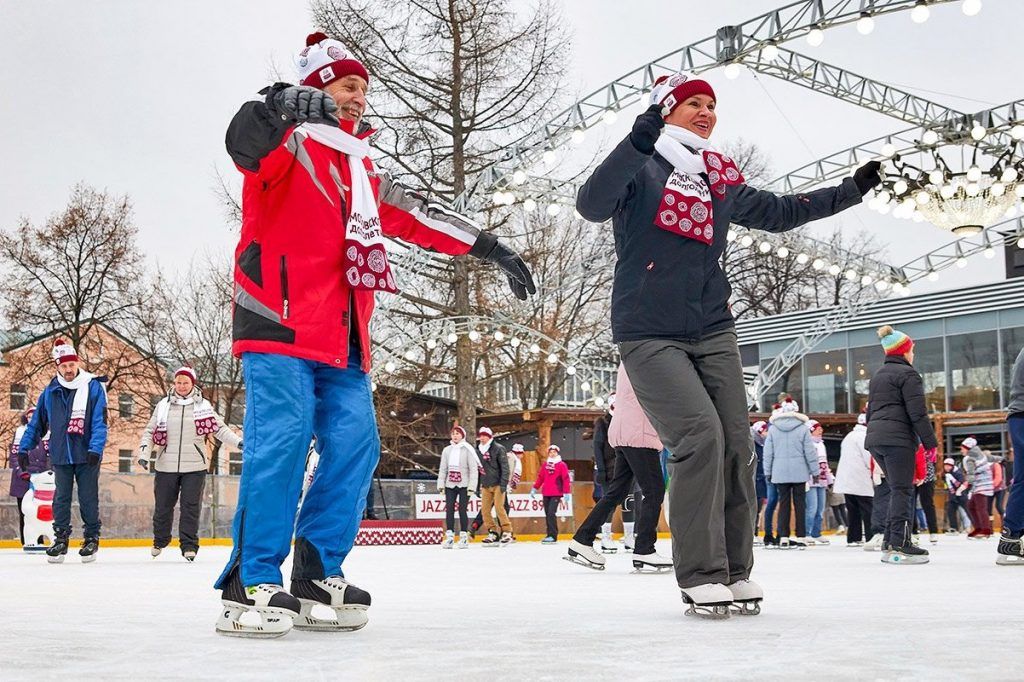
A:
[671, 198]
[493, 481]
[73, 408]
[897, 421]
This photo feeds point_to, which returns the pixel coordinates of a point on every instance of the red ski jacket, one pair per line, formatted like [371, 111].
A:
[291, 296]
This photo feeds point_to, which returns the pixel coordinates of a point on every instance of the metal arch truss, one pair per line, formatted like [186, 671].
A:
[944, 257]
[438, 328]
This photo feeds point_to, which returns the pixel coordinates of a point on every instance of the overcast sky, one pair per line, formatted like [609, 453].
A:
[134, 97]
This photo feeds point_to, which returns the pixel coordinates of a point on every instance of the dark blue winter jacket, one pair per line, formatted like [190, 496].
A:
[52, 413]
[669, 286]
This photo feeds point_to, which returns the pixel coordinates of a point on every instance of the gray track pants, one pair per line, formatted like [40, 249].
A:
[694, 396]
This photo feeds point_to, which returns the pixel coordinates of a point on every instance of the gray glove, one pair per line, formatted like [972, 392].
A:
[301, 104]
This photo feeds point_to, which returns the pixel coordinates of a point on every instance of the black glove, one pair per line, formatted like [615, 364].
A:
[301, 104]
[143, 462]
[92, 458]
[487, 248]
[23, 463]
[647, 129]
[240, 446]
[867, 176]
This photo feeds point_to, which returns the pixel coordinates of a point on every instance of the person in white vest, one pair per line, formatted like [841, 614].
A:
[457, 477]
[176, 435]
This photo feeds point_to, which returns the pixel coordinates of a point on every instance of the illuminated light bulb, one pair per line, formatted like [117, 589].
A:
[1020, 243]
[815, 37]
[730, 236]
[514, 342]
[746, 241]
[453, 337]
[884, 209]
[764, 247]
[609, 117]
[554, 209]
[783, 252]
[1017, 132]
[732, 70]
[1019, 190]
[770, 52]
[900, 186]
[973, 189]
[947, 191]
[1009, 174]
[888, 149]
[499, 336]
[599, 401]
[373, 386]
[802, 258]
[865, 25]
[974, 173]
[884, 197]
[851, 275]
[474, 336]
[570, 370]
[577, 136]
[920, 13]
[498, 198]
[834, 270]
[866, 280]
[933, 276]
[1010, 212]
[998, 189]
[989, 253]
[431, 344]
[930, 137]
[389, 366]
[585, 386]
[534, 348]
[549, 157]
[961, 262]
[882, 285]
[410, 355]
[553, 359]
[922, 198]
[818, 264]
[530, 204]
[936, 177]
[918, 217]
[971, 7]
[978, 132]
[519, 177]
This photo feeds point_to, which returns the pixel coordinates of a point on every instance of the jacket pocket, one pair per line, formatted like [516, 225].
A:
[249, 262]
[284, 287]
[202, 454]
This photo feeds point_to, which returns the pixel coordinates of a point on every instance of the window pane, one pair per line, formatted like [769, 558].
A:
[864, 362]
[125, 406]
[791, 383]
[826, 381]
[19, 397]
[235, 463]
[124, 461]
[1013, 341]
[974, 371]
[930, 362]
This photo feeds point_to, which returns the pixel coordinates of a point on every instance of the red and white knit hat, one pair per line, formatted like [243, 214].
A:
[326, 59]
[518, 447]
[63, 351]
[555, 448]
[460, 430]
[969, 442]
[186, 371]
[671, 91]
[484, 431]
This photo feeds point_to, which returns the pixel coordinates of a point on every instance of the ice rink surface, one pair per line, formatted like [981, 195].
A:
[521, 612]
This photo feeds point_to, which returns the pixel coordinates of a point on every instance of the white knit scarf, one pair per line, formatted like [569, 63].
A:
[80, 385]
[202, 414]
[365, 259]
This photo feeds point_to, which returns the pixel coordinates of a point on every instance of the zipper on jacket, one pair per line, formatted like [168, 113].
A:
[284, 287]
[181, 434]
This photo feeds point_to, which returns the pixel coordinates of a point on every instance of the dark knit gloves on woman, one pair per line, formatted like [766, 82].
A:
[488, 249]
[647, 129]
[867, 176]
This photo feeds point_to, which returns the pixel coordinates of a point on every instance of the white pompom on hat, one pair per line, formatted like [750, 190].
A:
[325, 60]
[789, 405]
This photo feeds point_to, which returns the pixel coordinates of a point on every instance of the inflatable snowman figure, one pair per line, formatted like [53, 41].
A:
[37, 506]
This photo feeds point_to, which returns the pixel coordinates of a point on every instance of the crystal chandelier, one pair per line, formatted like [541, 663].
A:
[963, 202]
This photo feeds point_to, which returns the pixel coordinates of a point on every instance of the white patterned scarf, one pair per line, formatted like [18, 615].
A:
[79, 404]
[202, 414]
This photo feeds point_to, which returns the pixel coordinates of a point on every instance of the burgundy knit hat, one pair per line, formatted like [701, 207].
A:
[325, 60]
[460, 430]
[671, 91]
[186, 371]
[63, 352]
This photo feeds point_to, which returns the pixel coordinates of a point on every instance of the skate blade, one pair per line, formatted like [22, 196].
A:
[346, 618]
[584, 563]
[59, 559]
[613, 550]
[716, 612]
[1003, 560]
[641, 567]
[89, 559]
[899, 559]
[746, 608]
[274, 622]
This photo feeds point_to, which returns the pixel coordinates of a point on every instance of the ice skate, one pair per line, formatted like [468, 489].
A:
[506, 540]
[275, 608]
[189, 554]
[855, 543]
[449, 540]
[548, 541]
[155, 551]
[491, 540]
[56, 552]
[608, 545]
[874, 544]
[584, 555]
[1010, 549]
[348, 602]
[909, 553]
[89, 548]
[771, 542]
[746, 597]
[628, 540]
[808, 541]
[651, 563]
[821, 541]
[463, 540]
[933, 538]
[711, 600]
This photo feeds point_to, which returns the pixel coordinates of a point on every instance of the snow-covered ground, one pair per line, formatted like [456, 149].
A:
[523, 613]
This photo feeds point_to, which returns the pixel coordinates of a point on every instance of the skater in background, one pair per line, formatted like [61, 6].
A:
[457, 478]
[758, 431]
[309, 263]
[925, 491]
[604, 472]
[1011, 549]
[790, 459]
[671, 197]
[176, 434]
[494, 477]
[37, 461]
[995, 503]
[637, 458]
[817, 486]
[956, 498]
[897, 423]
[854, 482]
[515, 468]
[553, 483]
[837, 503]
[978, 471]
[73, 409]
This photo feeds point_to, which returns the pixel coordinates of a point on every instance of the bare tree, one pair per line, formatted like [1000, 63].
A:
[453, 82]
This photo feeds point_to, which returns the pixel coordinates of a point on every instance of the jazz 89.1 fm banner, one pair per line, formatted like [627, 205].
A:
[432, 506]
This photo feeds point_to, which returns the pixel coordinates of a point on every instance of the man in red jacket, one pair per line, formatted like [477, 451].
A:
[310, 260]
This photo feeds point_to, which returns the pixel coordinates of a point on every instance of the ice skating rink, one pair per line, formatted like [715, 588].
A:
[522, 613]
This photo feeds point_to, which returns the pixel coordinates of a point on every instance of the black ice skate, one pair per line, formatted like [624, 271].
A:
[746, 597]
[908, 553]
[89, 548]
[584, 555]
[348, 602]
[491, 540]
[711, 600]
[189, 555]
[56, 552]
[275, 607]
[1010, 549]
[651, 563]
